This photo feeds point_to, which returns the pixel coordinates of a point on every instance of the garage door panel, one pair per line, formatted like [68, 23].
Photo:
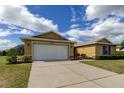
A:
[49, 52]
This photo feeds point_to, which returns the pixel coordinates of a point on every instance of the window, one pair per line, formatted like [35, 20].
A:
[106, 50]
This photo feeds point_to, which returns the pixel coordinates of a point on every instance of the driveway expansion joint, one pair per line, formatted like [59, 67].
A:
[87, 81]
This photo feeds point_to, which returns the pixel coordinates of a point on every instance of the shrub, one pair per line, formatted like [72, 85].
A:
[110, 57]
[12, 59]
[119, 52]
[25, 59]
[12, 56]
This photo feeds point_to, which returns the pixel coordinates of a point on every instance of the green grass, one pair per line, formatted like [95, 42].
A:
[14, 75]
[111, 65]
[3, 58]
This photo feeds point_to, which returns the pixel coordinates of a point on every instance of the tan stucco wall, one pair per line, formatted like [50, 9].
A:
[71, 50]
[89, 50]
[28, 48]
[113, 49]
[99, 49]
[93, 50]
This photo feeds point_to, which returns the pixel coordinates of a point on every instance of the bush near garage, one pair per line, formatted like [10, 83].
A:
[24, 59]
[12, 57]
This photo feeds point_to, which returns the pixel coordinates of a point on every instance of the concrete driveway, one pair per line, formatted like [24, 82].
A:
[71, 74]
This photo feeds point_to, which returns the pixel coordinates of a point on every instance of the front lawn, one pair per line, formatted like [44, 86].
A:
[13, 75]
[3, 58]
[111, 65]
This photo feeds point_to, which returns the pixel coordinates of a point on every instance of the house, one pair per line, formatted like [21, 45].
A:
[118, 48]
[95, 48]
[48, 46]
[53, 46]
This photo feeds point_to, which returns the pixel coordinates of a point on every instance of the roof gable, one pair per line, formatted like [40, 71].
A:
[104, 40]
[50, 35]
[98, 41]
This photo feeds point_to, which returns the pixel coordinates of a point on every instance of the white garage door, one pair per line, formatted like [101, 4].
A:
[49, 52]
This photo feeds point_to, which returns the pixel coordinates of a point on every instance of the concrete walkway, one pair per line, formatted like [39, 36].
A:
[71, 74]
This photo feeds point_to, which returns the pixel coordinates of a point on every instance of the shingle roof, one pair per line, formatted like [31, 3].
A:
[93, 41]
[43, 39]
[57, 33]
[47, 39]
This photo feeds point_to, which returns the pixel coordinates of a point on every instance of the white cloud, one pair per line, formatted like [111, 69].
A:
[3, 21]
[24, 32]
[6, 44]
[102, 11]
[76, 33]
[4, 33]
[12, 27]
[74, 39]
[111, 28]
[7, 32]
[74, 26]
[20, 16]
[73, 14]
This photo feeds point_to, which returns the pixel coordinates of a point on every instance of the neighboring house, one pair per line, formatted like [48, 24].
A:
[95, 48]
[48, 46]
[118, 48]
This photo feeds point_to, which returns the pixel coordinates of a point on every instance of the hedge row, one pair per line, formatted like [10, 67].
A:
[110, 57]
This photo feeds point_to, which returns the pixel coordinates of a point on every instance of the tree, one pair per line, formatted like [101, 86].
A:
[3, 53]
[0, 53]
[122, 45]
[12, 55]
[19, 49]
[12, 52]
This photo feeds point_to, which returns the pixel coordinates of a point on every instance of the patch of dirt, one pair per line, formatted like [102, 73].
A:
[3, 82]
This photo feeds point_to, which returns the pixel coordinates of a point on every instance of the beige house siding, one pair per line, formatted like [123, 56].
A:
[88, 50]
[71, 52]
[28, 48]
[113, 49]
[93, 50]
[99, 49]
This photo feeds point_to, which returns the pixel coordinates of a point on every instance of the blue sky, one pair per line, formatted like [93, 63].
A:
[77, 23]
[61, 15]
